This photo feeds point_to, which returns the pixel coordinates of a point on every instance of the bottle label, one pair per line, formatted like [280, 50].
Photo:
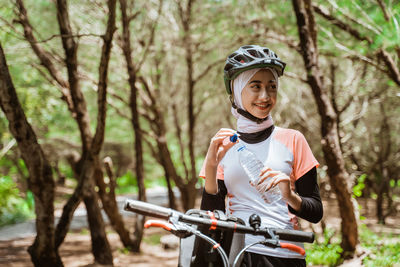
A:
[241, 148]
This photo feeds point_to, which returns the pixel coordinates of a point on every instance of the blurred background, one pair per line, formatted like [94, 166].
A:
[122, 97]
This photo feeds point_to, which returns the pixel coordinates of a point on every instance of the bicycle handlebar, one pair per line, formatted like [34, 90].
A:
[166, 213]
[149, 209]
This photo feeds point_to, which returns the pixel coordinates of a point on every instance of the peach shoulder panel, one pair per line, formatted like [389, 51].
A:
[303, 158]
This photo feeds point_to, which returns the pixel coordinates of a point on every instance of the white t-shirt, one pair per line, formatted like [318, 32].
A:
[284, 150]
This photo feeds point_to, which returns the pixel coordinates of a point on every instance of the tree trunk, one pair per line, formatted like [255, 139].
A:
[110, 206]
[379, 204]
[67, 214]
[171, 195]
[100, 247]
[188, 195]
[163, 156]
[43, 251]
[338, 176]
[107, 197]
[185, 14]
[383, 188]
[188, 191]
[138, 233]
[127, 50]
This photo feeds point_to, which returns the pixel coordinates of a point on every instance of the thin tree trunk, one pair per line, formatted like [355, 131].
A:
[379, 201]
[171, 195]
[188, 194]
[110, 206]
[100, 247]
[338, 175]
[43, 251]
[127, 50]
[138, 233]
[108, 198]
[67, 214]
[188, 191]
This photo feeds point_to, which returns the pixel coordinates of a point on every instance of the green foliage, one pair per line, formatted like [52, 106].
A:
[326, 253]
[357, 189]
[124, 250]
[126, 184]
[66, 170]
[11, 168]
[13, 208]
[84, 231]
[382, 249]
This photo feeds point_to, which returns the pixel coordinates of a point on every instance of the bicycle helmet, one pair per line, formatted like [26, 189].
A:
[250, 57]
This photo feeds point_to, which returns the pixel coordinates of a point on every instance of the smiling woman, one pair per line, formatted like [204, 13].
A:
[251, 79]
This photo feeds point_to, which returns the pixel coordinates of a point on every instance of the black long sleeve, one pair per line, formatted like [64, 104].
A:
[214, 202]
[311, 207]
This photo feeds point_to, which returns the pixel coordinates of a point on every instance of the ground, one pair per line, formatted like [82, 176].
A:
[75, 251]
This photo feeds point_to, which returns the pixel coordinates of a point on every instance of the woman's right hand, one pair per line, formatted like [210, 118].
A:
[219, 145]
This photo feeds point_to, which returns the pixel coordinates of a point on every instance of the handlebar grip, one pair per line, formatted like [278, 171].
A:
[293, 247]
[147, 209]
[295, 235]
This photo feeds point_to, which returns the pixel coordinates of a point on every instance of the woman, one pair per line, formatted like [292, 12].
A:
[251, 78]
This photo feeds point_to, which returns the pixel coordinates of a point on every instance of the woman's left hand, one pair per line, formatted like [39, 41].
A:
[270, 178]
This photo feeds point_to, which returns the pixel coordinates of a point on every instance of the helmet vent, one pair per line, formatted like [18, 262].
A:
[266, 51]
[254, 53]
[233, 55]
[241, 58]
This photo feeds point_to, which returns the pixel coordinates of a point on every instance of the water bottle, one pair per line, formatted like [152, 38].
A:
[253, 166]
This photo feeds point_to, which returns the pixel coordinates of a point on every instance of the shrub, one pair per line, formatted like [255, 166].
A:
[326, 253]
[14, 208]
[383, 249]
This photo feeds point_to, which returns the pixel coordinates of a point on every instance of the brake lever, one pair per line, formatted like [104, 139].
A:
[293, 247]
[176, 229]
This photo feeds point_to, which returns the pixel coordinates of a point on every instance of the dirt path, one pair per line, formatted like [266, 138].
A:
[75, 252]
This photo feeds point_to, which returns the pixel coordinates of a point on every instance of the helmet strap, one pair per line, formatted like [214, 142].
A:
[246, 114]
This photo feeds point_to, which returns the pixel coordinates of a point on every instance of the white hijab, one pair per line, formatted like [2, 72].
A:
[245, 125]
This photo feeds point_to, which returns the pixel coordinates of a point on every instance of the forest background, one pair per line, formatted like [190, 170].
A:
[113, 97]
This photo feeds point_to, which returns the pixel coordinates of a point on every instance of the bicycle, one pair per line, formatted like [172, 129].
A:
[180, 224]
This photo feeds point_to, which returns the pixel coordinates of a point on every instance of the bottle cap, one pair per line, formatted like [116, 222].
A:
[233, 138]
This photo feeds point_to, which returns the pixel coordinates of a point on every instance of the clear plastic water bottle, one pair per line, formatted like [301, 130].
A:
[253, 166]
